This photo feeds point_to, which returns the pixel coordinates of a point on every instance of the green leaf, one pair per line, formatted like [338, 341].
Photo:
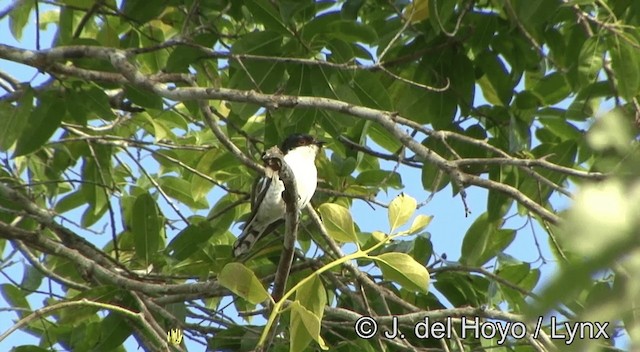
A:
[403, 269]
[200, 186]
[313, 296]
[16, 298]
[422, 248]
[496, 85]
[180, 189]
[338, 222]
[420, 223]
[463, 81]
[31, 278]
[590, 61]
[182, 57]
[371, 91]
[43, 122]
[343, 166]
[458, 288]
[189, 240]
[265, 12]
[19, 17]
[625, 61]
[331, 25]
[142, 11]
[375, 178]
[156, 60]
[304, 325]
[484, 240]
[497, 202]
[552, 89]
[14, 119]
[401, 209]
[160, 130]
[243, 282]
[143, 98]
[114, 330]
[353, 32]
[384, 138]
[89, 104]
[147, 223]
[258, 43]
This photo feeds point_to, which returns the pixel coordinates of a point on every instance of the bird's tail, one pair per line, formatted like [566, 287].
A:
[245, 241]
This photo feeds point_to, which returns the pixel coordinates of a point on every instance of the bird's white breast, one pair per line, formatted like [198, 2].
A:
[301, 160]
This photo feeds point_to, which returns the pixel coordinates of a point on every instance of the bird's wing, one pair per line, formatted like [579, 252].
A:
[258, 192]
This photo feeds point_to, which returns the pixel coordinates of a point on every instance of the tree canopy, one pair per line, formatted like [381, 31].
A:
[125, 173]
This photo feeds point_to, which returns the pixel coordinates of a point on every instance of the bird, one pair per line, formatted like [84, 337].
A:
[268, 208]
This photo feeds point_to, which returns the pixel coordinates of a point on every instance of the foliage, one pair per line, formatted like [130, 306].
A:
[149, 130]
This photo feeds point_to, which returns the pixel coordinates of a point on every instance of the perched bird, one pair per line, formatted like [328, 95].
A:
[267, 205]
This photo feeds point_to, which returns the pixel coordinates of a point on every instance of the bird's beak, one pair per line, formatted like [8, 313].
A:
[320, 143]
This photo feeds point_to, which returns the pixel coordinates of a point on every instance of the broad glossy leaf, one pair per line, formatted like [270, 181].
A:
[142, 11]
[338, 222]
[484, 240]
[403, 269]
[496, 85]
[343, 166]
[114, 330]
[43, 122]
[420, 223]
[422, 248]
[463, 81]
[442, 13]
[180, 189]
[458, 288]
[371, 91]
[14, 119]
[182, 57]
[375, 178]
[266, 13]
[590, 61]
[498, 204]
[564, 154]
[400, 211]
[304, 325]
[625, 61]
[259, 43]
[15, 297]
[384, 138]
[146, 224]
[313, 296]
[19, 17]
[552, 89]
[243, 282]
[189, 240]
[89, 103]
[143, 98]
[331, 25]
[31, 278]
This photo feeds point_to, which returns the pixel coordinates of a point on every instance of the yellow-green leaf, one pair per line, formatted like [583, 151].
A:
[403, 269]
[417, 11]
[313, 296]
[305, 325]
[400, 210]
[243, 282]
[419, 223]
[338, 222]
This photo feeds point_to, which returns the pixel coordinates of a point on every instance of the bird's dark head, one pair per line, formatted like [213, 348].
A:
[299, 140]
